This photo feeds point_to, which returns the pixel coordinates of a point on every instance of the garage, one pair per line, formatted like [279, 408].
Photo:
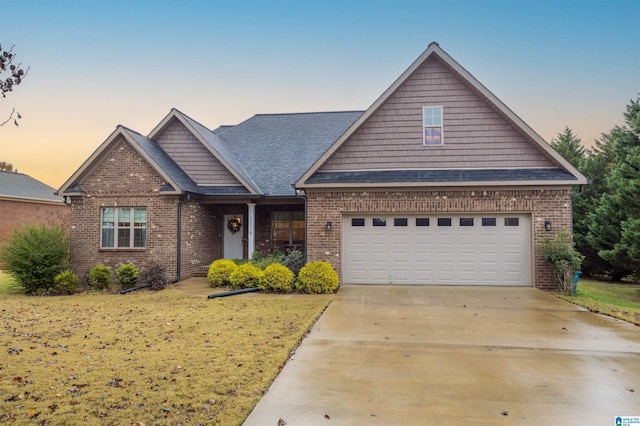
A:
[437, 249]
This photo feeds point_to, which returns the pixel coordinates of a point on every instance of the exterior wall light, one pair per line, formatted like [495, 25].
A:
[547, 225]
[328, 226]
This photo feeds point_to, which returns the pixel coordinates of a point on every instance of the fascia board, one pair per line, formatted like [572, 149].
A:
[405, 185]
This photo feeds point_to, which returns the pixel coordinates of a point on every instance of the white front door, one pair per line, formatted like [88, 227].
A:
[232, 241]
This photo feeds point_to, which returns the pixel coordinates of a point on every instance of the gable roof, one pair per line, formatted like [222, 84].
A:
[212, 142]
[21, 187]
[310, 179]
[175, 177]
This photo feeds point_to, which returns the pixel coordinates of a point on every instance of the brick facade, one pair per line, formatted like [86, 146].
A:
[124, 179]
[543, 204]
[15, 213]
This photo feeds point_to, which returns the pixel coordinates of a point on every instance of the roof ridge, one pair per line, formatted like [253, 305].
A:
[309, 113]
[14, 172]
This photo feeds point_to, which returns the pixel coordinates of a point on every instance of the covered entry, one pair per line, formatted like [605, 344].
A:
[440, 249]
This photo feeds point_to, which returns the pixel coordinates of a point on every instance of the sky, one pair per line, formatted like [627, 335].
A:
[95, 64]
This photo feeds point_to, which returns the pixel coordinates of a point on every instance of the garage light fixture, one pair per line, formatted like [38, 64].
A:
[547, 225]
[328, 226]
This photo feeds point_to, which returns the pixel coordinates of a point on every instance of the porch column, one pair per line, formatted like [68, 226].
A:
[252, 229]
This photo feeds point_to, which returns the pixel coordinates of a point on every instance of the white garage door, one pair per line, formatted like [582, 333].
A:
[486, 249]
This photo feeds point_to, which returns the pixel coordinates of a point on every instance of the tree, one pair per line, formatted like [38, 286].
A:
[614, 222]
[569, 146]
[16, 75]
[7, 167]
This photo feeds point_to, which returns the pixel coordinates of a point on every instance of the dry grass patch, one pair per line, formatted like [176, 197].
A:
[156, 358]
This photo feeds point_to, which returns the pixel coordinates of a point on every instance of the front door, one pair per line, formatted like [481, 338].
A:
[232, 232]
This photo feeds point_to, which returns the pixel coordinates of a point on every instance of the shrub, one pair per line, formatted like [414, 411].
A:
[100, 277]
[245, 276]
[34, 255]
[318, 277]
[127, 275]
[295, 260]
[564, 259]
[262, 262]
[277, 278]
[155, 275]
[66, 282]
[220, 271]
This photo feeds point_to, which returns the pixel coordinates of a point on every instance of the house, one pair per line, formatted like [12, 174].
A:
[25, 200]
[437, 182]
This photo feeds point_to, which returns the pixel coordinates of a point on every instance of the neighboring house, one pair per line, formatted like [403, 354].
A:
[438, 182]
[25, 200]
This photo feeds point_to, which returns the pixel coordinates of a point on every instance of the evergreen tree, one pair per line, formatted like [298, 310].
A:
[569, 146]
[614, 222]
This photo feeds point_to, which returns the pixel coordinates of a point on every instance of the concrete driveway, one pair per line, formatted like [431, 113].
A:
[421, 355]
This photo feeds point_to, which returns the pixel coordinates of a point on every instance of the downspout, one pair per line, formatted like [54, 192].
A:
[179, 238]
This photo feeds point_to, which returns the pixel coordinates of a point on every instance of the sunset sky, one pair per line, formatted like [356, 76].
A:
[96, 64]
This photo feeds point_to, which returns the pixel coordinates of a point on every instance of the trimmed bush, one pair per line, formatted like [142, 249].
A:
[100, 277]
[34, 255]
[155, 275]
[66, 282]
[127, 275]
[220, 271]
[318, 277]
[245, 276]
[277, 278]
[295, 260]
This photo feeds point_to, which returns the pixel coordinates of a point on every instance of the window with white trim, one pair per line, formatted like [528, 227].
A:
[124, 227]
[432, 124]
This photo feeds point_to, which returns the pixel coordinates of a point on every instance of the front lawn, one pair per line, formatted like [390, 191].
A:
[148, 358]
[619, 300]
[8, 285]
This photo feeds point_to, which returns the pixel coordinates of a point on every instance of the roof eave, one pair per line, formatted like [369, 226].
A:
[449, 184]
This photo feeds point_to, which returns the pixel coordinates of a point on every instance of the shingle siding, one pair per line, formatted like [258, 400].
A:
[475, 135]
[548, 204]
[194, 158]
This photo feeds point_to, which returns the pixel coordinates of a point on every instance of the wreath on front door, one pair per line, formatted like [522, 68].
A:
[234, 224]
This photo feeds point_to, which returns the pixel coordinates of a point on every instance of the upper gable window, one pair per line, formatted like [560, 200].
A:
[432, 121]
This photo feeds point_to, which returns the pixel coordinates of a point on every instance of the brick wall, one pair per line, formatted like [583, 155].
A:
[15, 213]
[554, 205]
[122, 178]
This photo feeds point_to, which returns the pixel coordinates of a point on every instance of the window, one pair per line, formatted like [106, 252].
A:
[379, 221]
[399, 221]
[511, 221]
[124, 227]
[357, 222]
[287, 227]
[466, 221]
[488, 221]
[444, 221]
[432, 120]
[422, 221]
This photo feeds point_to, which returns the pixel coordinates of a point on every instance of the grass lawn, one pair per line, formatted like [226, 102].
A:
[619, 300]
[8, 285]
[163, 358]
